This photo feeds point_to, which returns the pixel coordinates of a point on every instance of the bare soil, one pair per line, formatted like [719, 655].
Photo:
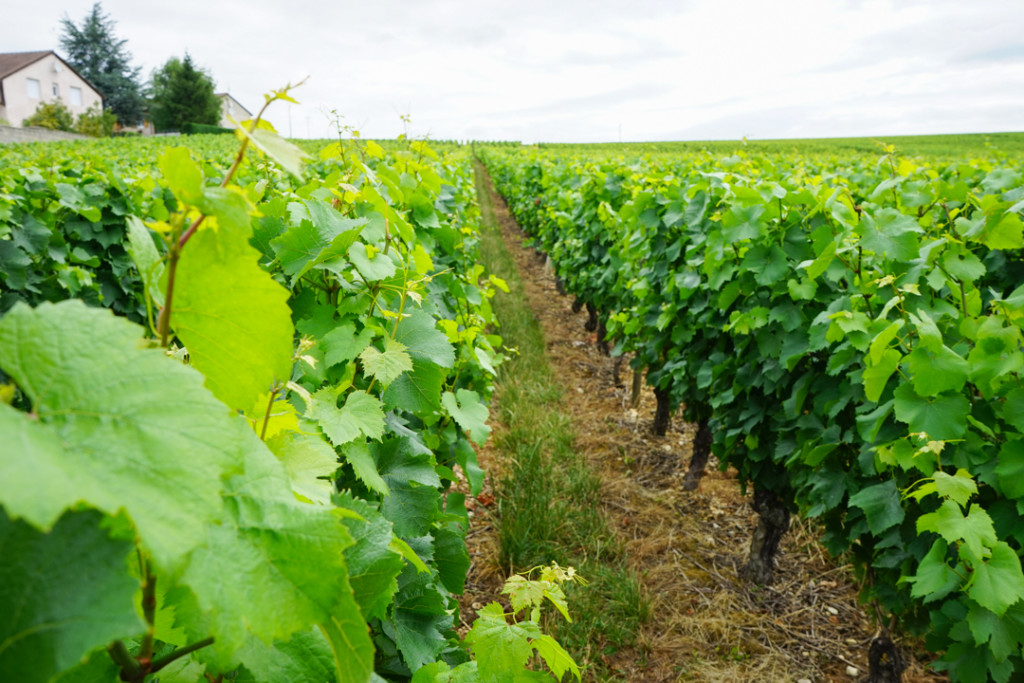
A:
[687, 546]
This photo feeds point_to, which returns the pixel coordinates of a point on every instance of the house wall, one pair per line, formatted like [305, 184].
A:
[229, 106]
[18, 106]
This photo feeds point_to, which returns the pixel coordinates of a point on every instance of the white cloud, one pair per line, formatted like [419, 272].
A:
[579, 71]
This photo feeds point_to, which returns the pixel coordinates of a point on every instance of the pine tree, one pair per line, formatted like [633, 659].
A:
[182, 94]
[95, 52]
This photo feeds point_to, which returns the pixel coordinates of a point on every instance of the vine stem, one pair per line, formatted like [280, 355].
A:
[266, 417]
[131, 670]
[148, 611]
[179, 653]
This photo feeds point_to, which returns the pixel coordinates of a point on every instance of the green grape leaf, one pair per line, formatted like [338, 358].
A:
[942, 417]
[819, 265]
[1006, 232]
[63, 594]
[361, 415]
[309, 462]
[523, 593]
[285, 154]
[801, 290]
[997, 583]
[957, 487]
[305, 658]
[877, 375]
[14, 264]
[419, 390]
[934, 579]
[74, 199]
[342, 343]
[316, 323]
[555, 656]
[881, 505]
[97, 668]
[182, 174]
[1004, 633]
[441, 672]
[424, 341]
[891, 234]
[406, 551]
[1010, 469]
[421, 619]
[276, 567]
[184, 670]
[230, 207]
[357, 454]
[499, 647]
[147, 260]
[353, 650]
[373, 268]
[742, 223]
[373, 566]
[963, 265]
[385, 366]
[936, 371]
[119, 427]
[451, 557]
[469, 411]
[233, 317]
[554, 593]
[880, 344]
[319, 235]
[466, 457]
[1012, 409]
[927, 330]
[975, 530]
[415, 500]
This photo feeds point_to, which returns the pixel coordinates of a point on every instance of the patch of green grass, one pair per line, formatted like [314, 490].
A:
[548, 499]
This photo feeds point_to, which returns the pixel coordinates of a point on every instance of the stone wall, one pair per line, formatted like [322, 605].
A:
[12, 134]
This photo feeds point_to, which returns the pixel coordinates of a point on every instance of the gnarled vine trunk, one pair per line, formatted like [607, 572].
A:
[772, 524]
[592, 320]
[602, 341]
[617, 370]
[638, 385]
[662, 415]
[699, 459]
[885, 663]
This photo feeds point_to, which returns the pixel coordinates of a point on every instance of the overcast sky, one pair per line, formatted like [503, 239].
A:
[587, 70]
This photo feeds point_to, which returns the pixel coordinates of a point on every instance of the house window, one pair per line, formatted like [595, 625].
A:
[56, 91]
[76, 97]
[33, 88]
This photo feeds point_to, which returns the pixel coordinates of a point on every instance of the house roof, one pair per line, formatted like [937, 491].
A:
[12, 62]
[16, 61]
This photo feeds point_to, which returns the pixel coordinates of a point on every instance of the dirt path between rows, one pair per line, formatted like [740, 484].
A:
[686, 547]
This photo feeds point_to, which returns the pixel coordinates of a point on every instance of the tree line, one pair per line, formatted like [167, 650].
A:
[178, 92]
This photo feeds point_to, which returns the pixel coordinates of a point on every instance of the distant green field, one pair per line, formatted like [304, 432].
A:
[960, 147]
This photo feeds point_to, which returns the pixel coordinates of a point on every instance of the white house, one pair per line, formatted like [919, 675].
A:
[229, 106]
[30, 78]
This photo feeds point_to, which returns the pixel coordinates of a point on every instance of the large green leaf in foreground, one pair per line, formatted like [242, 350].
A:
[233, 317]
[276, 567]
[113, 425]
[62, 594]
